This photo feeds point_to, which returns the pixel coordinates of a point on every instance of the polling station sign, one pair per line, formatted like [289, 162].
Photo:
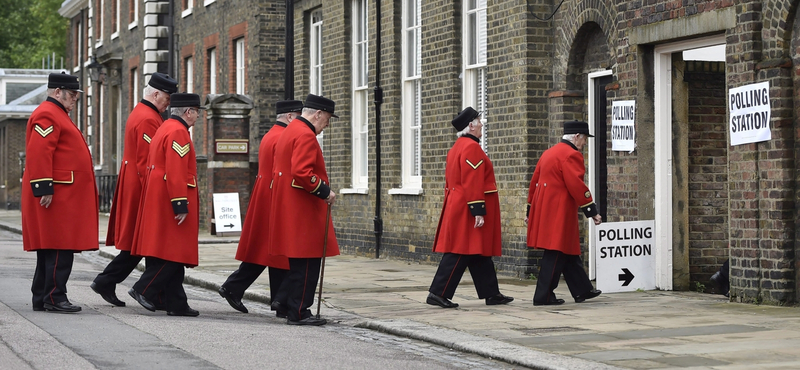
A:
[623, 130]
[625, 256]
[750, 112]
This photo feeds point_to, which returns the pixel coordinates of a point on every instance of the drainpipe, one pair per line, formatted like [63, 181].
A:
[378, 101]
[170, 23]
[288, 81]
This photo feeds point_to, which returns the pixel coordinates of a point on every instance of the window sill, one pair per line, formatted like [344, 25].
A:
[186, 13]
[354, 191]
[115, 35]
[405, 191]
[76, 69]
[208, 2]
[98, 44]
[133, 24]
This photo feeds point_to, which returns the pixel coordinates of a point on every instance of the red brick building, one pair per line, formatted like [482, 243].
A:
[710, 200]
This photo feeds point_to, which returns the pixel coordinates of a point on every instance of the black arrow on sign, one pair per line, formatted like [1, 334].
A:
[231, 226]
[627, 277]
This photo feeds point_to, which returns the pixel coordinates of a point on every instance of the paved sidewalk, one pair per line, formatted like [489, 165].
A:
[638, 330]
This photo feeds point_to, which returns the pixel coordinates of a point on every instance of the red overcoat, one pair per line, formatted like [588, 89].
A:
[254, 242]
[58, 163]
[299, 181]
[556, 193]
[170, 188]
[470, 190]
[140, 128]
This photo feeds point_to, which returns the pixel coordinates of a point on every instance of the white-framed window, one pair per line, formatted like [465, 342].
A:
[188, 10]
[134, 86]
[100, 129]
[189, 65]
[240, 59]
[360, 122]
[411, 117]
[474, 57]
[315, 52]
[115, 13]
[212, 71]
[134, 21]
[97, 15]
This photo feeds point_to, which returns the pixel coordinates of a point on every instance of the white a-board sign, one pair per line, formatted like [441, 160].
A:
[626, 258]
[227, 216]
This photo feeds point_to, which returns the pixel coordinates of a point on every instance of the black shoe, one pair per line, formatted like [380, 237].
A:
[555, 302]
[499, 299]
[280, 311]
[188, 311]
[236, 303]
[313, 321]
[63, 306]
[440, 301]
[38, 308]
[589, 295]
[108, 295]
[142, 300]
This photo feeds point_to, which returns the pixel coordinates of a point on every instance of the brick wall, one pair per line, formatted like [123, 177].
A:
[707, 168]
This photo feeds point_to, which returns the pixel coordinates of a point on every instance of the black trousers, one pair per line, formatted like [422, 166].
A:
[451, 269]
[247, 274]
[552, 265]
[163, 276]
[117, 270]
[53, 267]
[299, 286]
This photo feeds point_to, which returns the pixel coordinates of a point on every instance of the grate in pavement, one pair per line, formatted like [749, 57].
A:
[554, 329]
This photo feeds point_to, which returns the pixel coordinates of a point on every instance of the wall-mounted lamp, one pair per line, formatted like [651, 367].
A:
[97, 73]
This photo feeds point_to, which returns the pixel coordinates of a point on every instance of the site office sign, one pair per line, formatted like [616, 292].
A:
[625, 258]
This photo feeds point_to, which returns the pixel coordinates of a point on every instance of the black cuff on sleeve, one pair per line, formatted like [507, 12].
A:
[180, 206]
[528, 211]
[477, 209]
[41, 188]
[323, 191]
[589, 210]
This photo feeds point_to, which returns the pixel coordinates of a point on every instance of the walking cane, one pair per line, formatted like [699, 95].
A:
[324, 251]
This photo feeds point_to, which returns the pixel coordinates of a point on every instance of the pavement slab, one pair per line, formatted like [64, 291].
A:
[634, 330]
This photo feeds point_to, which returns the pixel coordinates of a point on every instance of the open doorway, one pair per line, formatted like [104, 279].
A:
[598, 166]
[691, 194]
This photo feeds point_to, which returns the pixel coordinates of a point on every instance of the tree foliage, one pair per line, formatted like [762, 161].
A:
[31, 30]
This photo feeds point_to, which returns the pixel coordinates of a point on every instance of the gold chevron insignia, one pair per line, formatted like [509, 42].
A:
[146, 138]
[181, 150]
[43, 132]
[474, 166]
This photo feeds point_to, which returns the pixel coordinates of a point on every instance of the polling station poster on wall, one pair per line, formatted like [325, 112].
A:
[750, 112]
[623, 130]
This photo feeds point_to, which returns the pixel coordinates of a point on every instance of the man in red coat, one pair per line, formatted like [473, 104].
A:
[469, 226]
[557, 190]
[253, 245]
[140, 128]
[167, 235]
[300, 200]
[59, 209]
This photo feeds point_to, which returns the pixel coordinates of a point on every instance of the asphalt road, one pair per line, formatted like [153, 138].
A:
[107, 337]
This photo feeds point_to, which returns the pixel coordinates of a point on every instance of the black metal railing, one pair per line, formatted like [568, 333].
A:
[106, 184]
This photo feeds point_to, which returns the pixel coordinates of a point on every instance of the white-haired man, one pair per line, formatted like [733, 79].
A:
[140, 128]
[556, 192]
